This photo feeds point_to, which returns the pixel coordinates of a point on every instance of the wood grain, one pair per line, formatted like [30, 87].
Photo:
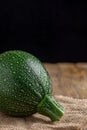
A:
[69, 79]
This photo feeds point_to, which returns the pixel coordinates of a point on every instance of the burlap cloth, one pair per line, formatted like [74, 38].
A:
[75, 117]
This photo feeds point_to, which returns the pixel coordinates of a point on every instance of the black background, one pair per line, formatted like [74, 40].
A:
[54, 31]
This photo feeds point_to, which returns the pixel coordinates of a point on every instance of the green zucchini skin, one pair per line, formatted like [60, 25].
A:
[26, 87]
[24, 82]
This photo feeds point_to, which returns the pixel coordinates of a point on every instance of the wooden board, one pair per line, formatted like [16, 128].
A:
[69, 79]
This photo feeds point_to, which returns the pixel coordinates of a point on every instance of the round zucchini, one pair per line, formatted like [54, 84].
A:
[26, 87]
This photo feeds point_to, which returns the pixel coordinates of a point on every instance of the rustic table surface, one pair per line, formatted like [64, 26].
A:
[69, 79]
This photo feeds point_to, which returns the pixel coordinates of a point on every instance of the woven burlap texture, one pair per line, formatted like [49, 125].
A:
[75, 118]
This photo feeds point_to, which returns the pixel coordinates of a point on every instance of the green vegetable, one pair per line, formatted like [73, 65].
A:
[26, 87]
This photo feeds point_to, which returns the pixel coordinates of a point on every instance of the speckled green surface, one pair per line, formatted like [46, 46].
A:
[23, 83]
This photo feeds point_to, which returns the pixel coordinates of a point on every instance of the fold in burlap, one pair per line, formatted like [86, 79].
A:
[75, 118]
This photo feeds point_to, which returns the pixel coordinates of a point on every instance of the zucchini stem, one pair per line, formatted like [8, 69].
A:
[50, 108]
